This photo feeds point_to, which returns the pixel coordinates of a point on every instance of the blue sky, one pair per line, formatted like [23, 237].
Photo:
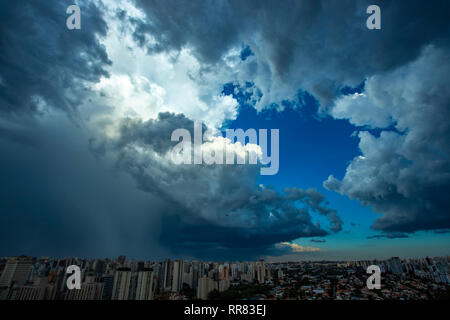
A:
[313, 147]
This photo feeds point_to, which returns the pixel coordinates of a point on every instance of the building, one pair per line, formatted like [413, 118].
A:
[108, 284]
[88, 291]
[395, 265]
[177, 277]
[166, 275]
[122, 284]
[17, 270]
[121, 260]
[224, 285]
[205, 286]
[35, 292]
[260, 271]
[146, 283]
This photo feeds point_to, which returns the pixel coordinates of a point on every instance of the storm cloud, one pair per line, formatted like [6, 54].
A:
[44, 64]
[79, 178]
[404, 171]
[395, 235]
[213, 208]
[290, 40]
[86, 117]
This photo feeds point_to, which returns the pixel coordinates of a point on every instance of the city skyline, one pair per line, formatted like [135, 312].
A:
[133, 259]
[26, 278]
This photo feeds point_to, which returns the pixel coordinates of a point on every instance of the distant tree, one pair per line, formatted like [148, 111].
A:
[189, 292]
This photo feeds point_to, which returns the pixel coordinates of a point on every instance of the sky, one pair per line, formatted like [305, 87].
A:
[86, 118]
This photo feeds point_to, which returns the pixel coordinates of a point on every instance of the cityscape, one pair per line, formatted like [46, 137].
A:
[228, 155]
[27, 278]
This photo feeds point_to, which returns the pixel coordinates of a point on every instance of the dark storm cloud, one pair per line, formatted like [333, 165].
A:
[215, 209]
[294, 37]
[41, 61]
[317, 202]
[318, 240]
[154, 133]
[211, 240]
[442, 231]
[56, 199]
[395, 235]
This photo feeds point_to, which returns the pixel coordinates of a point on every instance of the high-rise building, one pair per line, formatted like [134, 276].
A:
[177, 277]
[224, 273]
[16, 271]
[99, 266]
[88, 291]
[234, 271]
[146, 281]
[108, 284]
[195, 276]
[121, 259]
[166, 275]
[260, 271]
[395, 265]
[224, 285]
[205, 286]
[122, 284]
[91, 289]
[35, 292]
[2, 265]
[188, 278]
